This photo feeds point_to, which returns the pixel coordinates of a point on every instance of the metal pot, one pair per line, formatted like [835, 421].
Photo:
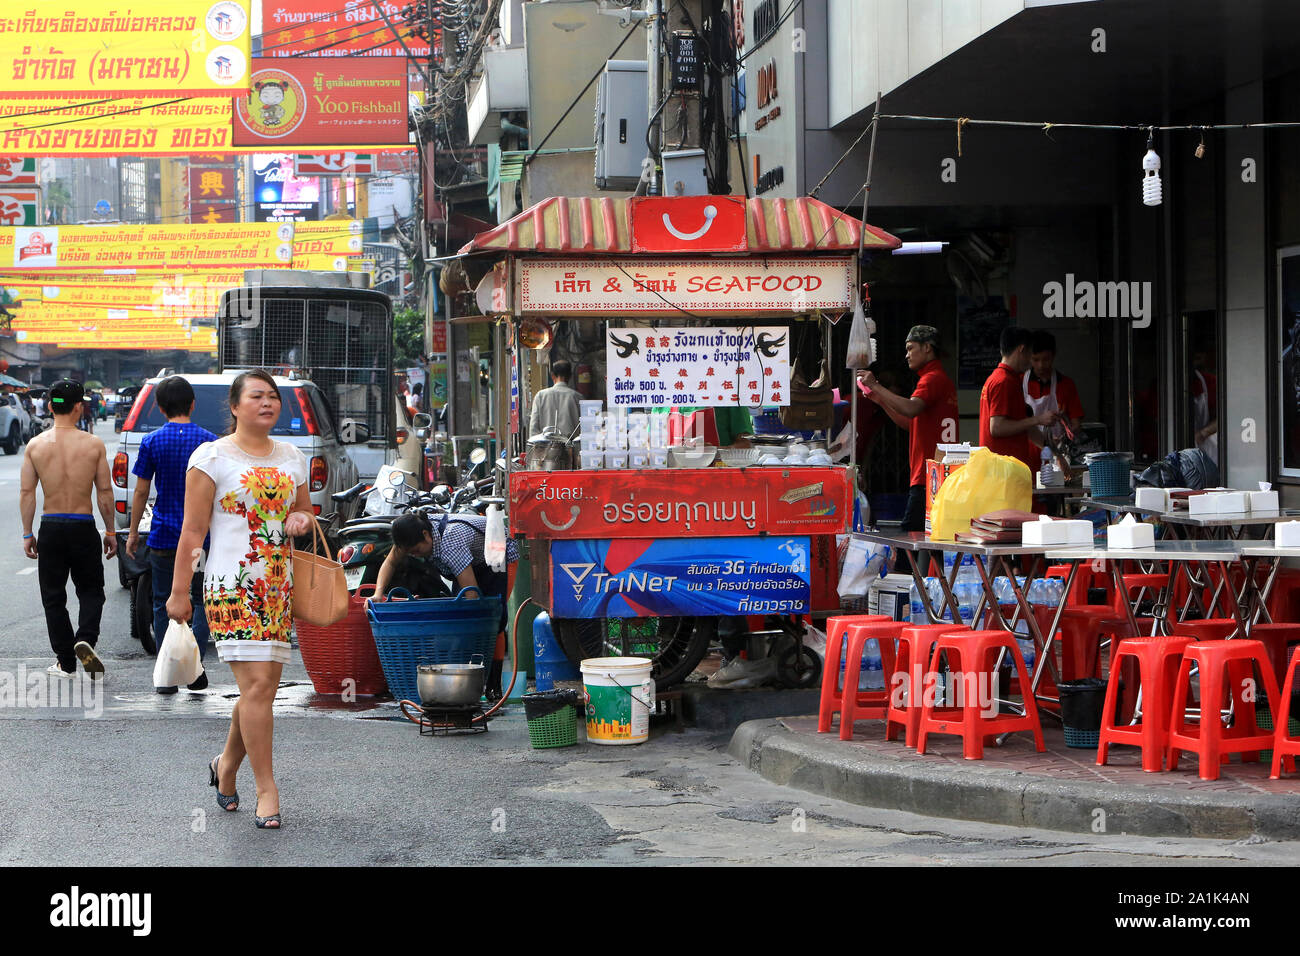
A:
[450, 685]
[549, 451]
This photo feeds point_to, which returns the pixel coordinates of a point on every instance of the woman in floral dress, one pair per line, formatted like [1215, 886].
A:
[252, 493]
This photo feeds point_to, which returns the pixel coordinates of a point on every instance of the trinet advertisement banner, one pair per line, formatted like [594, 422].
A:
[680, 577]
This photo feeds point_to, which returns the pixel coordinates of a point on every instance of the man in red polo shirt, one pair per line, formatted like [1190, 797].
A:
[1006, 424]
[930, 415]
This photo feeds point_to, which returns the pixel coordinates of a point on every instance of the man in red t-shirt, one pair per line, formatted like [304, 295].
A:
[1005, 420]
[1046, 389]
[930, 415]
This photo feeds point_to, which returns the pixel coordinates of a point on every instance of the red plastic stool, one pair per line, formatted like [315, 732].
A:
[848, 701]
[1277, 639]
[976, 654]
[1078, 596]
[1157, 660]
[1285, 747]
[1226, 669]
[835, 626]
[1082, 630]
[830, 696]
[910, 664]
[1209, 629]
[1135, 584]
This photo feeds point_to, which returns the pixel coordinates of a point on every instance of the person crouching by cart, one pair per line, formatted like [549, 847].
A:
[452, 546]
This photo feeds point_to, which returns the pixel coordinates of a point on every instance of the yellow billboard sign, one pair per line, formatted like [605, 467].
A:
[226, 247]
[146, 48]
[143, 126]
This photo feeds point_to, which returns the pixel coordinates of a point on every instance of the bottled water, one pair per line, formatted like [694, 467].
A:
[1028, 652]
[872, 675]
[918, 605]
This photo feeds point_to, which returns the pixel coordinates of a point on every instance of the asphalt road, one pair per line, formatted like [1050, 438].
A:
[129, 787]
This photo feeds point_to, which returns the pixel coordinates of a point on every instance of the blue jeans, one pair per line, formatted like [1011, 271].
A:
[162, 563]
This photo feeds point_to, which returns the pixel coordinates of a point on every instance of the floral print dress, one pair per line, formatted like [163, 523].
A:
[248, 579]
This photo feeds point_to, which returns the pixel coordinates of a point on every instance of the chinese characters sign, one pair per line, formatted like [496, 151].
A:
[333, 28]
[700, 286]
[144, 48]
[745, 365]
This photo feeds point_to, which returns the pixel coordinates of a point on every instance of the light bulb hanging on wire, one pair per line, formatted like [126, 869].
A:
[1151, 188]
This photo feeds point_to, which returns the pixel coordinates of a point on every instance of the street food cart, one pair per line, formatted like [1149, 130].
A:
[698, 298]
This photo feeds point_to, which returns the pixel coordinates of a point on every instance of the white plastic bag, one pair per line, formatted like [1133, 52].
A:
[178, 661]
[862, 347]
[494, 539]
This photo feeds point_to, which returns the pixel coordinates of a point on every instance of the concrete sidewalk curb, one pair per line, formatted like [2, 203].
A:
[822, 765]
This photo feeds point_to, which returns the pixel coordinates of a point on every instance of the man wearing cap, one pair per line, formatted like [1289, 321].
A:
[930, 415]
[68, 462]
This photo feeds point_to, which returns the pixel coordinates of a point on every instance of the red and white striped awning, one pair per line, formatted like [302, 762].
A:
[601, 226]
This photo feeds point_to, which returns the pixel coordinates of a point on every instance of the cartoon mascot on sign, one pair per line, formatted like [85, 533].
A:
[271, 95]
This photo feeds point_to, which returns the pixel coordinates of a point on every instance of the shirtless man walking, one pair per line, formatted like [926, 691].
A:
[67, 462]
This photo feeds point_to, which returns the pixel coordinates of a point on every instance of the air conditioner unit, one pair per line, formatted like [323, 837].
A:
[621, 123]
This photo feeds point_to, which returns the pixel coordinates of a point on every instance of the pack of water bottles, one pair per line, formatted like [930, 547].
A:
[1044, 592]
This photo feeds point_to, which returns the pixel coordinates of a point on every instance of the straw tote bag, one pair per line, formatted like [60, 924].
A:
[320, 593]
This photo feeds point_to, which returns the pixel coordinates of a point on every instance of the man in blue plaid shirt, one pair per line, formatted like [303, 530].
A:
[162, 459]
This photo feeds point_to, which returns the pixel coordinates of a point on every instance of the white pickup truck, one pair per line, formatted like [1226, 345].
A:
[15, 423]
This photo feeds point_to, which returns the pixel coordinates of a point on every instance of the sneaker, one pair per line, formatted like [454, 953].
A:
[54, 670]
[164, 690]
[740, 673]
[89, 659]
[200, 682]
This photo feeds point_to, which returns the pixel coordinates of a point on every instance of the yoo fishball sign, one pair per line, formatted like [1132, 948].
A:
[743, 365]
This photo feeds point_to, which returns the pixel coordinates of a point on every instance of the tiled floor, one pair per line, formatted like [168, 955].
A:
[1059, 762]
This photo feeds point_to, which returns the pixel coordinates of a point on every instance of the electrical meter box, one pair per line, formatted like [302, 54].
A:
[685, 173]
[622, 118]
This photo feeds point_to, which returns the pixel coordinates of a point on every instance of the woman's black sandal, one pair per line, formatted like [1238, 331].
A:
[227, 803]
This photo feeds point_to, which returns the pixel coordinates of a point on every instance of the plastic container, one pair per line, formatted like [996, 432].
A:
[592, 443]
[638, 458]
[616, 458]
[658, 457]
[1108, 474]
[431, 631]
[552, 718]
[550, 663]
[343, 652]
[592, 460]
[588, 407]
[620, 696]
[615, 438]
[1082, 702]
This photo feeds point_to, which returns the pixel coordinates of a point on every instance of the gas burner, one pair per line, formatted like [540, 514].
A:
[444, 721]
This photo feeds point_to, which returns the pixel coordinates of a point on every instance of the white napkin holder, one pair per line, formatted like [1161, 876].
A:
[1130, 533]
[1046, 532]
[1287, 534]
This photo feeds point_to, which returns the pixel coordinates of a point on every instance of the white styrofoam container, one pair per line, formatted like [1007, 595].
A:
[1136, 535]
[1263, 500]
[1287, 534]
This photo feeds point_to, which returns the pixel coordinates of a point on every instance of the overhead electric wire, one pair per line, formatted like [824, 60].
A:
[779, 23]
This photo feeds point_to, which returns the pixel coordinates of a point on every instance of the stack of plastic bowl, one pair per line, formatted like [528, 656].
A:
[591, 438]
[616, 438]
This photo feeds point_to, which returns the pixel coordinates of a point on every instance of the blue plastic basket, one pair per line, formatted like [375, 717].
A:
[1108, 475]
[431, 631]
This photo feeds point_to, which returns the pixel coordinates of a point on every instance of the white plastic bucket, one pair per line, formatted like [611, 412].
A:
[619, 697]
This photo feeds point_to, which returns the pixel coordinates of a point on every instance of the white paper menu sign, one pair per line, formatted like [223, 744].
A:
[666, 366]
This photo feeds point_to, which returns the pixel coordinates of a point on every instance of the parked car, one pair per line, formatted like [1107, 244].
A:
[15, 423]
[305, 421]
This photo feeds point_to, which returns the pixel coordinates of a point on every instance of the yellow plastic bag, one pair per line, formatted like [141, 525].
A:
[988, 482]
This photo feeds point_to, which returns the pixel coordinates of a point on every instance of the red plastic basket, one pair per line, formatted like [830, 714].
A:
[343, 651]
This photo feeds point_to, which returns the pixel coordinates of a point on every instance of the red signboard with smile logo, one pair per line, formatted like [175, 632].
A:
[688, 224]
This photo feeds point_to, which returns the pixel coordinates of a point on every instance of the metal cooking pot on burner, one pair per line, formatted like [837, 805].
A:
[549, 451]
[450, 685]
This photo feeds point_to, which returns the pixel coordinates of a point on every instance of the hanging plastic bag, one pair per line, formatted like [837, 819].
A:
[987, 482]
[863, 562]
[494, 539]
[862, 347]
[178, 660]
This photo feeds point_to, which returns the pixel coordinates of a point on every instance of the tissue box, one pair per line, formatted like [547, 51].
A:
[1139, 534]
[1287, 534]
[1231, 502]
[1152, 499]
[1055, 533]
[1263, 500]
[1205, 504]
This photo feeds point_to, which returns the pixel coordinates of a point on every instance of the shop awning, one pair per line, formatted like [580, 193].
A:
[600, 226]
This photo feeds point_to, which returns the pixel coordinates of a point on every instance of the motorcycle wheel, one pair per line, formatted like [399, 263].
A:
[674, 644]
[142, 613]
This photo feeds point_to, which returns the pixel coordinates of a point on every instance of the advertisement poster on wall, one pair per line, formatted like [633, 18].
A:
[279, 194]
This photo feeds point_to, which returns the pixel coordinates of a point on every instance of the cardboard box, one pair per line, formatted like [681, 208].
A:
[936, 473]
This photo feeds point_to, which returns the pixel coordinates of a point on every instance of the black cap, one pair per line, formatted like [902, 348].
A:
[64, 394]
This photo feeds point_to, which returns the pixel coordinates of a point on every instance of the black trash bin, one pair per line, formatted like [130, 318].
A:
[1081, 706]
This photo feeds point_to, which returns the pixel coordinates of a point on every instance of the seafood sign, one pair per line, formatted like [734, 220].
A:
[680, 577]
[687, 503]
[667, 366]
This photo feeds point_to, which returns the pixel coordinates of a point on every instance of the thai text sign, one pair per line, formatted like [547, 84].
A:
[144, 48]
[634, 286]
[638, 577]
[87, 248]
[330, 28]
[139, 127]
[748, 365]
[324, 103]
[687, 502]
